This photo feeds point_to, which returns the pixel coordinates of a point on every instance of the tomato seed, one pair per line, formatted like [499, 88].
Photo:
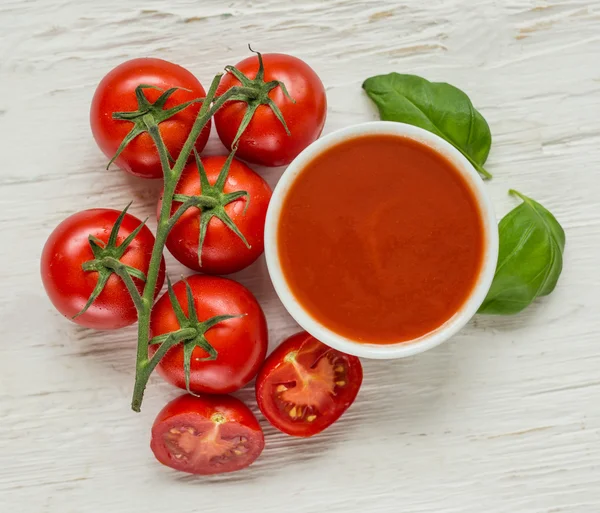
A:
[340, 383]
[291, 356]
[310, 418]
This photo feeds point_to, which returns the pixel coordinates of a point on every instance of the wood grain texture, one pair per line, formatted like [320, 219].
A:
[504, 418]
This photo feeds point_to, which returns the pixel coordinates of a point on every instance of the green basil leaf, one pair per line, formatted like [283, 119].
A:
[435, 106]
[530, 258]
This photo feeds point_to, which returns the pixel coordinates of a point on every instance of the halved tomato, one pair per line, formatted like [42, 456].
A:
[305, 386]
[206, 435]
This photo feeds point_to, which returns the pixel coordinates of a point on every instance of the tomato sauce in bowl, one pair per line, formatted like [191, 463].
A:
[380, 239]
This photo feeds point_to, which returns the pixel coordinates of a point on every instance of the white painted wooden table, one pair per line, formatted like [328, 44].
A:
[504, 418]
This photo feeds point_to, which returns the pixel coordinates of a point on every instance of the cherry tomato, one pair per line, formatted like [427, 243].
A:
[305, 386]
[116, 93]
[206, 435]
[69, 286]
[265, 140]
[240, 343]
[223, 251]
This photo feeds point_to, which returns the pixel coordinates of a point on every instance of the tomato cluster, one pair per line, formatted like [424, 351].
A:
[207, 334]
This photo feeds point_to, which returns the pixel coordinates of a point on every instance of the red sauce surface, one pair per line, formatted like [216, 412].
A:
[380, 239]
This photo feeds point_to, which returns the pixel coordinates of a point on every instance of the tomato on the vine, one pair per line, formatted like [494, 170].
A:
[265, 140]
[206, 435]
[117, 93]
[223, 251]
[69, 286]
[223, 356]
[305, 386]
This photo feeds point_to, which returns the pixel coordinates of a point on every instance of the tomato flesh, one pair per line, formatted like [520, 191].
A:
[206, 435]
[305, 386]
[205, 443]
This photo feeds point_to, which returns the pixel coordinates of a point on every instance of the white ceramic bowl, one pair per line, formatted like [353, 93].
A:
[429, 340]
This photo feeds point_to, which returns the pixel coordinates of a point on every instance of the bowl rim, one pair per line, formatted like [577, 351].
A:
[428, 340]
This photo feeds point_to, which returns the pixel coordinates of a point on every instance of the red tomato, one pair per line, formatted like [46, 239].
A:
[305, 386]
[206, 435]
[223, 252]
[241, 343]
[116, 93]
[69, 286]
[265, 140]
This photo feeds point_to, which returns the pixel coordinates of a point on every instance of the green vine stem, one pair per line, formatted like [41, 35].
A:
[171, 176]
[146, 119]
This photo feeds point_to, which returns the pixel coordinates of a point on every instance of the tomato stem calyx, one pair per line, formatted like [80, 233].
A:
[192, 332]
[255, 92]
[106, 261]
[211, 203]
[149, 115]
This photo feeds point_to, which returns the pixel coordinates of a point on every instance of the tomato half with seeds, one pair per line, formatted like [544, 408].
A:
[116, 93]
[305, 386]
[206, 435]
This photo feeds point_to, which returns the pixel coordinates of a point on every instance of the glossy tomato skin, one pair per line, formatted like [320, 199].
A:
[206, 435]
[265, 141]
[241, 343]
[116, 93]
[68, 286]
[333, 380]
[223, 252]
